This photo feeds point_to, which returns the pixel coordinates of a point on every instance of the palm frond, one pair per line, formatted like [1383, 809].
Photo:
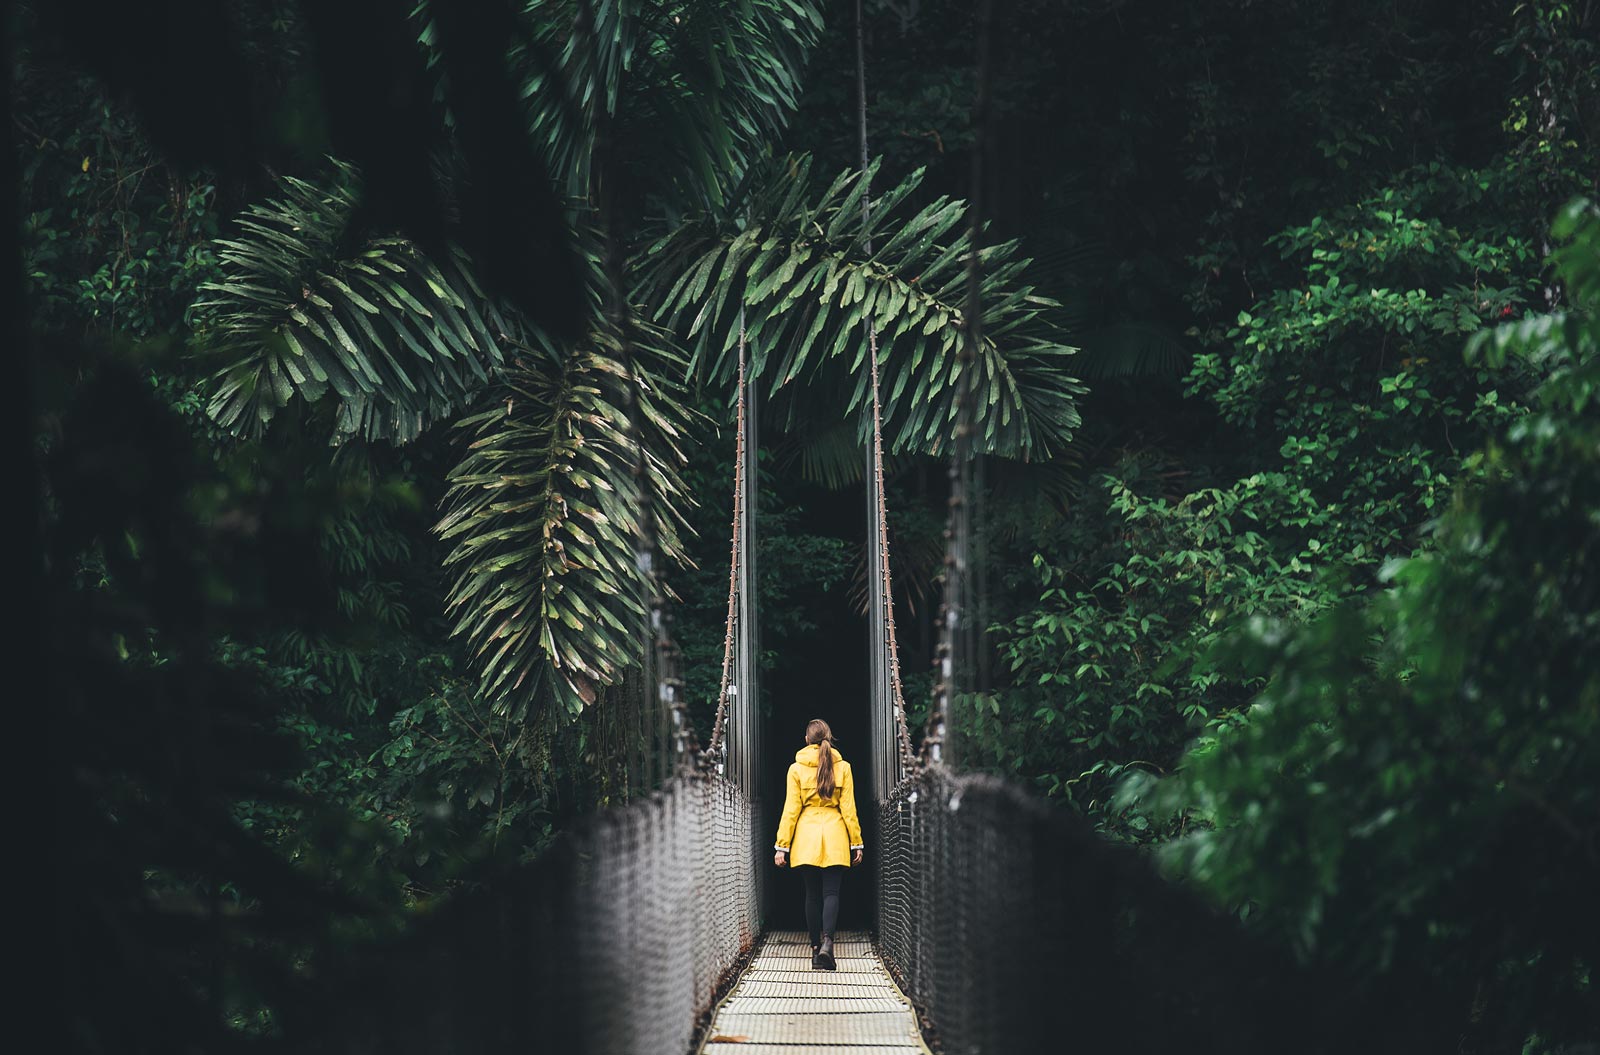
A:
[918, 563]
[1132, 349]
[306, 307]
[823, 451]
[801, 268]
[830, 454]
[543, 516]
[732, 79]
[694, 91]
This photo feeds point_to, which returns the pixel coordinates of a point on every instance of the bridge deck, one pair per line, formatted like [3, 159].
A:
[781, 1006]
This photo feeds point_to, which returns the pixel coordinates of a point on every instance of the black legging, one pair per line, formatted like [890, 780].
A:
[822, 898]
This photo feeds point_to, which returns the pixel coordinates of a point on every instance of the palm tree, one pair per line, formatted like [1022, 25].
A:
[659, 117]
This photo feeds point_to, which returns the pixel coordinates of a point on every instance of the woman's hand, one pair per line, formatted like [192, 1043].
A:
[857, 858]
[779, 857]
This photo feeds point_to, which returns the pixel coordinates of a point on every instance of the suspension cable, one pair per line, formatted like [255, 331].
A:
[734, 555]
[902, 733]
[881, 526]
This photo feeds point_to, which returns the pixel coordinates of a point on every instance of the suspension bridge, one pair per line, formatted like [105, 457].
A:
[1001, 923]
[641, 932]
[966, 867]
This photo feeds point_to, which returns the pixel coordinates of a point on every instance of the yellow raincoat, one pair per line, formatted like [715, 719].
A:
[814, 830]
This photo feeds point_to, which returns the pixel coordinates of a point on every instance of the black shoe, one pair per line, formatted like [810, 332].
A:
[816, 958]
[824, 956]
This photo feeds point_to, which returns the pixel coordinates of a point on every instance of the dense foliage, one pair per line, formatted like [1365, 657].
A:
[1414, 794]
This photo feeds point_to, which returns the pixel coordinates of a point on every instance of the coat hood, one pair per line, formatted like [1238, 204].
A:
[811, 754]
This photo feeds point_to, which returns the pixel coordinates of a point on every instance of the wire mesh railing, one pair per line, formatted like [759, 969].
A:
[620, 938]
[666, 903]
[1014, 928]
[617, 941]
[969, 919]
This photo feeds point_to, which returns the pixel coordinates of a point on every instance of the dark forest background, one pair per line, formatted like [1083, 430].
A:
[1288, 556]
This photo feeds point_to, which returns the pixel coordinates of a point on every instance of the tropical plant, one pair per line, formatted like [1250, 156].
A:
[1104, 668]
[401, 341]
[1416, 799]
[800, 274]
[682, 97]
[545, 512]
[309, 306]
[542, 510]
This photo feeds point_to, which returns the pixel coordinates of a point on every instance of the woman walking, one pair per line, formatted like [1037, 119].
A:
[819, 833]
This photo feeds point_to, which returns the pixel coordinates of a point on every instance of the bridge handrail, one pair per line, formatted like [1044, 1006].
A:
[616, 941]
[1015, 928]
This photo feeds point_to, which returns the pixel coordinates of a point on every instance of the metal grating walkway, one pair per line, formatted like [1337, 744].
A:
[781, 1006]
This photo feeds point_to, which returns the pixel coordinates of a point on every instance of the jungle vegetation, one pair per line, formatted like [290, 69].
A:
[352, 340]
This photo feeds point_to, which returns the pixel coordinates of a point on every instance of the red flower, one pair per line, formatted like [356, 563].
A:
[1505, 312]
